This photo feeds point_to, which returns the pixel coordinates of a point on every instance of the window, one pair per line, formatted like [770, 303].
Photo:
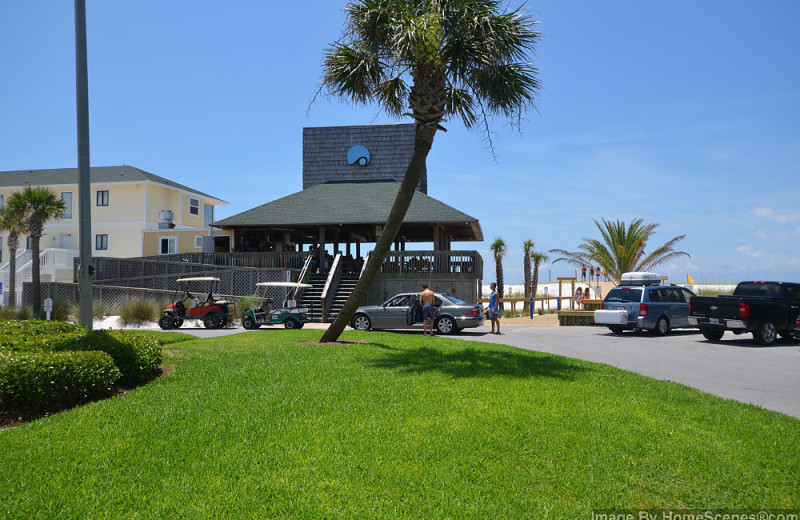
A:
[1, 247]
[66, 196]
[167, 245]
[101, 242]
[1, 201]
[198, 241]
[194, 207]
[28, 243]
[102, 197]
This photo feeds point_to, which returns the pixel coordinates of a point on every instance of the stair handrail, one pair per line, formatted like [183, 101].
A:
[330, 285]
[363, 266]
[302, 277]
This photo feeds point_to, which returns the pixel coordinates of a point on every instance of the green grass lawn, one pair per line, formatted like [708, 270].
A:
[264, 425]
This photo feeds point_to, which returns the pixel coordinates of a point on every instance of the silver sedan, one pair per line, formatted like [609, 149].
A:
[403, 311]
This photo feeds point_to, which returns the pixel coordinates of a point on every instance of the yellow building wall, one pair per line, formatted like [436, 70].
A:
[185, 239]
[130, 220]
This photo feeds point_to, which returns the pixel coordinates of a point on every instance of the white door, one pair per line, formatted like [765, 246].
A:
[65, 241]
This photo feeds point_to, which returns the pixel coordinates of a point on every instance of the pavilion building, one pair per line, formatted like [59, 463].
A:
[351, 176]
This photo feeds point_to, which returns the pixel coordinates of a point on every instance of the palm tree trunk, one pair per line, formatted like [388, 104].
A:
[498, 268]
[36, 288]
[12, 276]
[526, 267]
[423, 140]
[535, 281]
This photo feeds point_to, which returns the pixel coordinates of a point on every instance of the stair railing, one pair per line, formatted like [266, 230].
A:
[330, 285]
[304, 273]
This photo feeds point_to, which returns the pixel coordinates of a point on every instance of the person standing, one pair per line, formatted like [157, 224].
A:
[578, 298]
[494, 308]
[597, 273]
[583, 272]
[426, 297]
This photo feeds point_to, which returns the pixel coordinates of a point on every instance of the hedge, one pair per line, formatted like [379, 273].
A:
[138, 356]
[37, 382]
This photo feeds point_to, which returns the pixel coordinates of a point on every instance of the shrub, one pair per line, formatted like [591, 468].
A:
[138, 311]
[98, 309]
[16, 313]
[137, 356]
[36, 382]
[244, 304]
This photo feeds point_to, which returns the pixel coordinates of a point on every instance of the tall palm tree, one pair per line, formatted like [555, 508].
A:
[527, 248]
[622, 248]
[428, 59]
[13, 220]
[538, 257]
[499, 250]
[42, 204]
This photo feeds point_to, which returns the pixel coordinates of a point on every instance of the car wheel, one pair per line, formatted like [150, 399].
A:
[766, 333]
[165, 322]
[662, 326]
[712, 334]
[446, 325]
[212, 321]
[291, 324]
[248, 323]
[361, 322]
[616, 329]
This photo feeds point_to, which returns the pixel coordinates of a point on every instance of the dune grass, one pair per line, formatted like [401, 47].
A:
[268, 425]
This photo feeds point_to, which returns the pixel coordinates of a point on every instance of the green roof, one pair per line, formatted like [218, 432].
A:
[352, 203]
[98, 175]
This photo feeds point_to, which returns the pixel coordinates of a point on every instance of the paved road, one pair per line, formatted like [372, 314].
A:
[733, 368]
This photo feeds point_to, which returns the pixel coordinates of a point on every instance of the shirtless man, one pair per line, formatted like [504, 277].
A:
[426, 299]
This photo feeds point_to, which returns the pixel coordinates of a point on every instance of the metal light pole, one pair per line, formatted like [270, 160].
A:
[84, 173]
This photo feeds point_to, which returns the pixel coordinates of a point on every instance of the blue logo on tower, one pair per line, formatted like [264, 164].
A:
[358, 154]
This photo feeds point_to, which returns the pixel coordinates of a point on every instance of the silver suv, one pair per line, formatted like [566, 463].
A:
[657, 308]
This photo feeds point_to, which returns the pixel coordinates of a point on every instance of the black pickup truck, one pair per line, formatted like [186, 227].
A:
[767, 309]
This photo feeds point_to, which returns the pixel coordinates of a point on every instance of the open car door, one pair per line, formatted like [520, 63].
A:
[414, 313]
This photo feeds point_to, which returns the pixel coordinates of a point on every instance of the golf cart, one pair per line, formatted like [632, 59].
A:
[267, 313]
[201, 306]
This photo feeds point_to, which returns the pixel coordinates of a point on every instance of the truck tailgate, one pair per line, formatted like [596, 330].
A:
[720, 307]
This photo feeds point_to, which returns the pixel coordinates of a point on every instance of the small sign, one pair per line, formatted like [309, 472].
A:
[48, 305]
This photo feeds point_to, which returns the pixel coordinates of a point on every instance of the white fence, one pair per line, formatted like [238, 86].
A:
[55, 265]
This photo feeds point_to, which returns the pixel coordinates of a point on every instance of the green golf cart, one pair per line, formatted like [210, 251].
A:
[264, 310]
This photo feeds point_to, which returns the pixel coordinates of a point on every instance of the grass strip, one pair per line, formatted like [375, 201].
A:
[267, 425]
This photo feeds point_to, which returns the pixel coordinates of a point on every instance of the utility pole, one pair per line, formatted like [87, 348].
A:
[84, 172]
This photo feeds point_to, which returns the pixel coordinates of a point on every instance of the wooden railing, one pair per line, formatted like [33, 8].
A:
[458, 264]
[275, 260]
[466, 264]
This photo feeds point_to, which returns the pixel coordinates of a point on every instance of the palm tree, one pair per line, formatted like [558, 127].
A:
[428, 59]
[41, 205]
[622, 249]
[12, 219]
[499, 250]
[538, 257]
[527, 248]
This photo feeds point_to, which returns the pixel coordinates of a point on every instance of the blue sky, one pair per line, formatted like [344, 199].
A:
[683, 113]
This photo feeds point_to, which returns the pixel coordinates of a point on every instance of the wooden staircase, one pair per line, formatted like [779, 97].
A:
[312, 297]
[347, 282]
